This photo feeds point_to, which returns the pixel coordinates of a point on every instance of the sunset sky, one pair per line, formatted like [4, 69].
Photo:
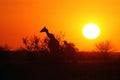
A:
[21, 18]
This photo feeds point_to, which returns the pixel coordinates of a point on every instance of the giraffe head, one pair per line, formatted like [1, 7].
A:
[44, 29]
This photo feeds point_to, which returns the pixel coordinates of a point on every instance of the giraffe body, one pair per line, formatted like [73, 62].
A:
[53, 43]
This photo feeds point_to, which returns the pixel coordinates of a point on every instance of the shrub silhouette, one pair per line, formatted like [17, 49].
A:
[4, 52]
[4, 48]
[69, 51]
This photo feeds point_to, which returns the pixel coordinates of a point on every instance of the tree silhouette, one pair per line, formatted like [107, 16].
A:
[31, 44]
[104, 47]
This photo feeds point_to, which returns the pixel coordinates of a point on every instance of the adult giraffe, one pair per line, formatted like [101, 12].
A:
[53, 43]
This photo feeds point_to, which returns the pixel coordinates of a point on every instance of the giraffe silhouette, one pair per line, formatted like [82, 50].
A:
[53, 43]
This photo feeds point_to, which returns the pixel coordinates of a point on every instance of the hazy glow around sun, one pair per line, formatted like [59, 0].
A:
[91, 31]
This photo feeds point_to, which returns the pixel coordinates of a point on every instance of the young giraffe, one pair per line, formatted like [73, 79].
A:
[53, 43]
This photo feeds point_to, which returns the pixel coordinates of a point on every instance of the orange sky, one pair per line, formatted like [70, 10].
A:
[21, 18]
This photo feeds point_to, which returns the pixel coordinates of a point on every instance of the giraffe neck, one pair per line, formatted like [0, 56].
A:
[51, 36]
[48, 34]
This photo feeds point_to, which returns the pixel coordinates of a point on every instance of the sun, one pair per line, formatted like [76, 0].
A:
[91, 31]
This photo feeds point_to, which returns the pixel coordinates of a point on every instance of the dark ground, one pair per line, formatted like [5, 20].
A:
[20, 67]
[61, 71]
